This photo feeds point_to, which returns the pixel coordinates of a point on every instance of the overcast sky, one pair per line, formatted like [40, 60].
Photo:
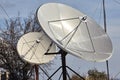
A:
[91, 8]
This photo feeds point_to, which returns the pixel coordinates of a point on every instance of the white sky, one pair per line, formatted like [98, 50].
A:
[90, 7]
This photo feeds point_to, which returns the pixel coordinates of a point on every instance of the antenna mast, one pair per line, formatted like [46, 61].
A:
[104, 15]
[105, 28]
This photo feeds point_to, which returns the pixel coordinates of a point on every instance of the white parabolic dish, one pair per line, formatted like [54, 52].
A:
[32, 47]
[75, 32]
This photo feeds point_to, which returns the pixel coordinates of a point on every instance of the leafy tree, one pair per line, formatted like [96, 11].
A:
[75, 77]
[94, 74]
[9, 58]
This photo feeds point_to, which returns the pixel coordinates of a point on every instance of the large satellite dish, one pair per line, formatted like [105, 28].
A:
[75, 32]
[32, 47]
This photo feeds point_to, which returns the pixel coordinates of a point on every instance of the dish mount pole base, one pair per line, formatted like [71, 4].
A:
[36, 72]
[63, 57]
[64, 73]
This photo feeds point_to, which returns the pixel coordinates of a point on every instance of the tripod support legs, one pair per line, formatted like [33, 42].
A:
[64, 73]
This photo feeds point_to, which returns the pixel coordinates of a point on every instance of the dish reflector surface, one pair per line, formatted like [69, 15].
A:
[75, 32]
[32, 47]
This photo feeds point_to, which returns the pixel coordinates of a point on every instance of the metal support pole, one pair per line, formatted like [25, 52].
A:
[104, 16]
[63, 56]
[105, 28]
[64, 73]
[108, 78]
[36, 72]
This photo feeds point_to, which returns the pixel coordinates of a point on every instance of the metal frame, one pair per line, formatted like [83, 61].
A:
[64, 68]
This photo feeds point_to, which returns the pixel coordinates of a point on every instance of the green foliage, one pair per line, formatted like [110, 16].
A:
[94, 74]
[75, 77]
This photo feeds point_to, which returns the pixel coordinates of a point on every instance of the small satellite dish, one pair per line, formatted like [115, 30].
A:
[32, 47]
[75, 32]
